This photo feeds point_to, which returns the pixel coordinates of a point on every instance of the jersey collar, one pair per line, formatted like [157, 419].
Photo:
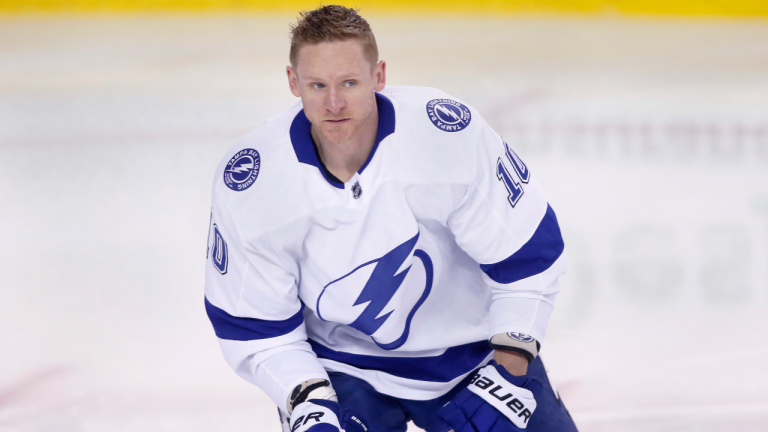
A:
[301, 138]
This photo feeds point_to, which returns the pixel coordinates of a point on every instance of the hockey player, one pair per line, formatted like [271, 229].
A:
[379, 254]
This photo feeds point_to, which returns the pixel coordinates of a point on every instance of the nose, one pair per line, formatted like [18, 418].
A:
[334, 102]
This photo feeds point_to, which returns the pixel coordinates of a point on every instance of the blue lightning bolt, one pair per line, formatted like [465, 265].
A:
[381, 287]
[447, 111]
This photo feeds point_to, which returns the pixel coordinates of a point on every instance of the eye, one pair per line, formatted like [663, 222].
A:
[317, 86]
[350, 83]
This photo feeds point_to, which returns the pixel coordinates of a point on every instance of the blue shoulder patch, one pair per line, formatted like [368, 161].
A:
[448, 115]
[241, 171]
[219, 255]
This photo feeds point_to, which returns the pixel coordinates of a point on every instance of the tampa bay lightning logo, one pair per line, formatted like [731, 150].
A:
[520, 337]
[241, 171]
[448, 115]
[219, 255]
[393, 289]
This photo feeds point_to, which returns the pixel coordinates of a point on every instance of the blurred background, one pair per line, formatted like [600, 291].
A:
[645, 121]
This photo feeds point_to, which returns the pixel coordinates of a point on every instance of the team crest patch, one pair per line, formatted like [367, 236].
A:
[381, 297]
[219, 255]
[241, 171]
[448, 115]
[520, 337]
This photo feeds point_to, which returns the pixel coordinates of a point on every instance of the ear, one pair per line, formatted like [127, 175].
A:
[380, 75]
[293, 81]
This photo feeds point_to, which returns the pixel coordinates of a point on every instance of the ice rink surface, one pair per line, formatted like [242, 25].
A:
[650, 138]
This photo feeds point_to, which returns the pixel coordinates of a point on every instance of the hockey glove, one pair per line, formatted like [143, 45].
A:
[317, 415]
[494, 401]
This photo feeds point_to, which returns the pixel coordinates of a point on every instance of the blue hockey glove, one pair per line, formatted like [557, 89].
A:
[318, 415]
[494, 401]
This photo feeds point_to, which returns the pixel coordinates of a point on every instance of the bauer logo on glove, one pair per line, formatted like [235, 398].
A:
[317, 415]
[516, 403]
[304, 419]
[493, 401]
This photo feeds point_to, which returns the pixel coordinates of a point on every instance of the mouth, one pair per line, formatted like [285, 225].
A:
[338, 121]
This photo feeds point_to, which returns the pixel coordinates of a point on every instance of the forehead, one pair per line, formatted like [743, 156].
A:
[338, 57]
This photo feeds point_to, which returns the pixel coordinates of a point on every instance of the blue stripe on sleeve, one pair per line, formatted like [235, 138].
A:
[231, 327]
[542, 250]
[446, 367]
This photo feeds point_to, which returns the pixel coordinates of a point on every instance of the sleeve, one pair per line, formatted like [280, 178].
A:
[505, 224]
[251, 299]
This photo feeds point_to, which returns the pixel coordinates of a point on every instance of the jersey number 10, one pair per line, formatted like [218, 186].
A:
[502, 173]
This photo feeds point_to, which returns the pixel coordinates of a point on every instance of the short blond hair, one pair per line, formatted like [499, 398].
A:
[332, 23]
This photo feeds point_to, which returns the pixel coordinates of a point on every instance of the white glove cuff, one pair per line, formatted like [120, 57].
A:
[516, 403]
[305, 415]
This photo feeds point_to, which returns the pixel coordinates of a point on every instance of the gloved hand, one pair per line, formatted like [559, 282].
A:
[318, 415]
[494, 401]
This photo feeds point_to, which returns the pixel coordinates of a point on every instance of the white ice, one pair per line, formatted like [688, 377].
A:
[650, 138]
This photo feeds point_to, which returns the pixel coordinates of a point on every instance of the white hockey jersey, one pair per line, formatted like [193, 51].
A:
[399, 276]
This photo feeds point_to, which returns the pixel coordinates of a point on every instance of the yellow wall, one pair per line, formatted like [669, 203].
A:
[654, 7]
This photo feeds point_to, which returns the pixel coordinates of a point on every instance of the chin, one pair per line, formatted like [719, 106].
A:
[340, 135]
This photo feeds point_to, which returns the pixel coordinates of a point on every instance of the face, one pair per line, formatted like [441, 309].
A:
[336, 83]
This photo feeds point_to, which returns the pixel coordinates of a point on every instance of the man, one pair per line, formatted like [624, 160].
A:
[368, 243]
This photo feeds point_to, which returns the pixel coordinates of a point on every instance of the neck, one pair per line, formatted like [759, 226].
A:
[344, 159]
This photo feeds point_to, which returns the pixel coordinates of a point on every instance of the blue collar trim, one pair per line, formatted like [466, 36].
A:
[386, 125]
[301, 137]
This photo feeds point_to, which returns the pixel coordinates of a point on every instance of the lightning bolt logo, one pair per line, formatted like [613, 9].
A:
[380, 287]
[450, 113]
[242, 170]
